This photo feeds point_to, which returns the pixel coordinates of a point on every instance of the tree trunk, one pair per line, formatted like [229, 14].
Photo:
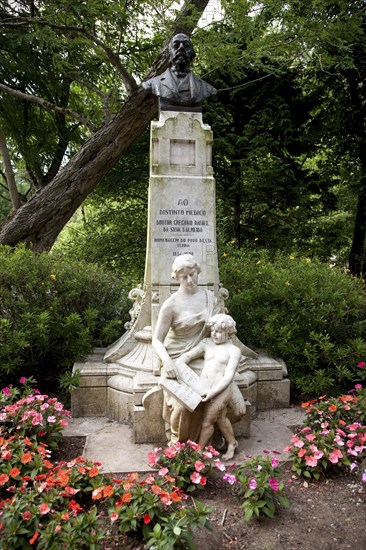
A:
[39, 221]
[9, 174]
[357, 259]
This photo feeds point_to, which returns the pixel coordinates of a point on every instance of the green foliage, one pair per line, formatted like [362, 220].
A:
[110, 229]
[309, 314]
[54, 311]
[257, 481]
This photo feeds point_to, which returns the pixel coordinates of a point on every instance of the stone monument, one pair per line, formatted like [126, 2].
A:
[123, 382]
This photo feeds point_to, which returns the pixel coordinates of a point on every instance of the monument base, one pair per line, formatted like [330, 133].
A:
[131, 396]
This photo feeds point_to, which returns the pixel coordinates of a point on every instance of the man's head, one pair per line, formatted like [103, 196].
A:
[181, 52]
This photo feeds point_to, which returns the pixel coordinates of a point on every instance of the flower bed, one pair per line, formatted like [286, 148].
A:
[58, 505]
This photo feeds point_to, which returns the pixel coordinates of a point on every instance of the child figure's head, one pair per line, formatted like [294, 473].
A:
[222, 327]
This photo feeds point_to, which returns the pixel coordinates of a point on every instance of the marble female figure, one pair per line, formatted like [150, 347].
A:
[181, 326]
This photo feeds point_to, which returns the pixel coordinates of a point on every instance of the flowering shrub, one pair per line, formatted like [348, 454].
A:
[34, 415]
[49, 512]
[58, 506]
[185, 461]
[257, 480]
[157, 508]
[333, 436]
[310, 314]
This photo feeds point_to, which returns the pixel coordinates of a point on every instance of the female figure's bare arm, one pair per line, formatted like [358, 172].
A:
[163, 325]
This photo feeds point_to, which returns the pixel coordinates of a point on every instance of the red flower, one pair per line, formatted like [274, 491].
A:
[14, 472]
[27, 457]
[147, 519]
[332, 408]
[74, 506]
[108, 491]
[3, 479]
[26, 515]
[93, 472]
[97, 493]
[126, 497]
[34, 538]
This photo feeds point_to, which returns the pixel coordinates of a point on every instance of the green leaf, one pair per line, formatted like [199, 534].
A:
[284, 501]
[248, 514]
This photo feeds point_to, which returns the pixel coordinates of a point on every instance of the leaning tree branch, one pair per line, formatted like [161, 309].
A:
[48, 105]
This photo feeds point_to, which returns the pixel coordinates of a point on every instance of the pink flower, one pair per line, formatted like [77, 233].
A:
[44, 508]
[311, 461]
[299, 444]
[361, 364]
[193, 445]
[212, 450]
[339, 441]
[195, 477]
[152, 459]
[353, 427]
[51, 419]
[163, 471]
[301, 452]
[219, 465]
[150, 479]
[23, 380]
[335, 456]
[230, 478]
[273, 483]
[6, 391]
[114, 516]
[64, 422]
[364, 477]
[311, 437]
[252, 484]
[199, 465]
[358, 386]
[275, 462]
[207, 454]
[353, 466]
[170, 452]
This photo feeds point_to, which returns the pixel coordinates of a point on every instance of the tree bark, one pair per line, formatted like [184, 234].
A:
[39, 221]
[9, 173]
[357, 257]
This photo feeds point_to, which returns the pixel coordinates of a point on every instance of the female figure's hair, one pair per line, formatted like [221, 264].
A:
[185, 260]
[223, 322]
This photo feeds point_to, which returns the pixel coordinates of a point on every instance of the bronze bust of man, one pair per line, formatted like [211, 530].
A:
[178, 88]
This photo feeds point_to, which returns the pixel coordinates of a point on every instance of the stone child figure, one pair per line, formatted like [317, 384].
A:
[178, 86]
[181, 325]
[221, 359]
